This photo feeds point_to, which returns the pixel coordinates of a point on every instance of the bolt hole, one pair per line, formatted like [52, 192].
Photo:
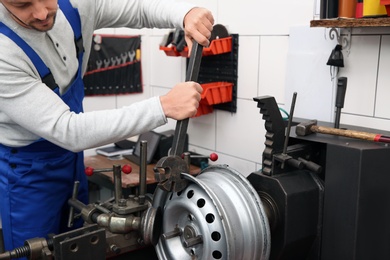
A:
[210, 218]
[217, 254]
[94, 240]
[74, 247]
[179, 193]
[192, 252]
[190, 194]
[201, 203]
[190, 217]
[216, 236]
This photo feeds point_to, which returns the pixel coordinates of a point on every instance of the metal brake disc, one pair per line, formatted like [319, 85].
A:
[218, 215]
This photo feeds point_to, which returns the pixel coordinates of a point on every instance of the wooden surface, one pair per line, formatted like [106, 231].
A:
[351, 22]
[128, 180]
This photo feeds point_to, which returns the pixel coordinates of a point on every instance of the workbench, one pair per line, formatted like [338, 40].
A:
[130, 181]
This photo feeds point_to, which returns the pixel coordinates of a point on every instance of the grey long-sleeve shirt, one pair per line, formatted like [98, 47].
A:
[30, 110]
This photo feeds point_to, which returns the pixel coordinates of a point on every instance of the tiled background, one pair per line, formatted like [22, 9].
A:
[278, 54]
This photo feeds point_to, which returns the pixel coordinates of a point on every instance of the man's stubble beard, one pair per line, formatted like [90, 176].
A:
[44, 29]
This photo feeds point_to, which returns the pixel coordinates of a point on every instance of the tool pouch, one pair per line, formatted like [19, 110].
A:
[114, 66]
[336, 58]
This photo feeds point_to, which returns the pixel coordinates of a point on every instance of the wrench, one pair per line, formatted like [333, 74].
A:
[113, 61]
[118, 60]
[106, 63]
[99, 64]
[192, 75]
[168, 169]
[124, 56]
[131, 55]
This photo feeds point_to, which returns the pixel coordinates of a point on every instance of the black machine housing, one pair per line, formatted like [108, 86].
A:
[334, 205]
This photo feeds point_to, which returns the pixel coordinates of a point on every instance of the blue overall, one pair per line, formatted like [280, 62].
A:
[37, 180]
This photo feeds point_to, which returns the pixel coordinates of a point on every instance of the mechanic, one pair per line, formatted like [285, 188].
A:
[45, 47]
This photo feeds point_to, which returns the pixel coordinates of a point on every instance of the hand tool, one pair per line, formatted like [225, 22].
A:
[219, 31]
[192, 75]
[311, 126]
[113, 61]
[99, 64]
[340, 96]
[131, 55]
[124, 56]
[169, 168]
[106, 63]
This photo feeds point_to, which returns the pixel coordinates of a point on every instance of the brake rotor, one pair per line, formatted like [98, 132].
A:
[218, 215]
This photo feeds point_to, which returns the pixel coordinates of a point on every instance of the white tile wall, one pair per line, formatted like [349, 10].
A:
[361, 67]
[248, 66]
[383, 89]
[262, 17]
[307, 73]
[202, 131]
[241, 134]
[272, 69]
[165, 70]
[278, 54]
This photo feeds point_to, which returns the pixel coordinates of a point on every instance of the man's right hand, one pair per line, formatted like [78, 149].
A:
[182, 101]
[198, 24]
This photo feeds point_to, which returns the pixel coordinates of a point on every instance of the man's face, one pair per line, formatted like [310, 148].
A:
[34, 14]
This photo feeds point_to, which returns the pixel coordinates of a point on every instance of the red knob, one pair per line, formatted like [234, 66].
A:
[213, 157]
[89, 171]
[126, 169]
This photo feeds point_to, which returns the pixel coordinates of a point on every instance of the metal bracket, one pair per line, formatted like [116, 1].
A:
[343, 36]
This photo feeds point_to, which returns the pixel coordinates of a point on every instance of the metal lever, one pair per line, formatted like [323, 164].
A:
[293, 162]
[117, 171]
[142, 172]
[74, 196]
[192, 75]
[284, 157]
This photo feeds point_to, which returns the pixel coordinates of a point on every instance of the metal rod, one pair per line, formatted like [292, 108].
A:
[337, 118]
[117, 182]
[142, 171]
[102, 170]
[102, 209]
[74, 196]
[187, 158]
[287, 135]
[174, 233]
[76, 204]
[193, 241]
[289, 123]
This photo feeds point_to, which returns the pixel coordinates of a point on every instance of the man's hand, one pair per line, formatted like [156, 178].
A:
[182, 101]
[198, 24]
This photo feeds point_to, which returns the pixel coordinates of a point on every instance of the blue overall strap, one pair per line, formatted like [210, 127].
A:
[43, 70]
[73, 17]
